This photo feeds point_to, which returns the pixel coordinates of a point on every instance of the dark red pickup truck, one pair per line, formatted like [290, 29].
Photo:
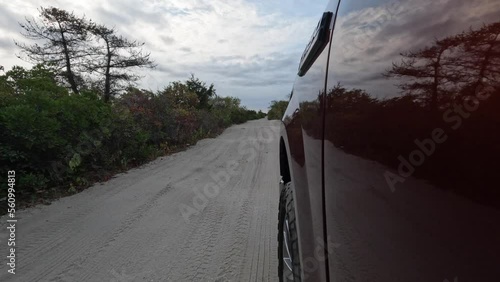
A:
[390, 146]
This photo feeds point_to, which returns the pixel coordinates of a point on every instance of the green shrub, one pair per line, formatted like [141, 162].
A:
[277, 110]
[59, 142]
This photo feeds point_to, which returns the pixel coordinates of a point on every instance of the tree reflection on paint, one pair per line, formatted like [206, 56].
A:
[439, 86]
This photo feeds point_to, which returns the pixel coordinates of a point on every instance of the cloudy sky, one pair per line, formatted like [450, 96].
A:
[248, 48]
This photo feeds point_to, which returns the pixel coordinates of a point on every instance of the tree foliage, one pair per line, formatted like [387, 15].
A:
[60, 143]
[277, 110]
[203, 92]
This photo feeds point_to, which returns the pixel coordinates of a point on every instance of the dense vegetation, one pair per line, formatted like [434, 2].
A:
[277, 110]
[60, 142]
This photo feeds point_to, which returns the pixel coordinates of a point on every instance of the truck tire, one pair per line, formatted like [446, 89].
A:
[288, 245]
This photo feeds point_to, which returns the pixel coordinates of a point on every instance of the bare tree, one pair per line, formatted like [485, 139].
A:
[451, 68]
[115, 57]
[480, 59]
[426, 71]
[76, 47]
[61, 36]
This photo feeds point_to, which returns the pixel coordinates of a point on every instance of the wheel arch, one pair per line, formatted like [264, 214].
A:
[284, 164]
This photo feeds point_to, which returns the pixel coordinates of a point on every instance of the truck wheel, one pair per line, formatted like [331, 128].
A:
[288, 245]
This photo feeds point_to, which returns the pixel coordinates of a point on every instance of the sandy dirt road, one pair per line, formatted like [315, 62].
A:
[206, 214]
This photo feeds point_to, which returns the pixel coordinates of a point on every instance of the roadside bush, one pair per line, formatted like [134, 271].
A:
[59, 143]
[277, 110]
